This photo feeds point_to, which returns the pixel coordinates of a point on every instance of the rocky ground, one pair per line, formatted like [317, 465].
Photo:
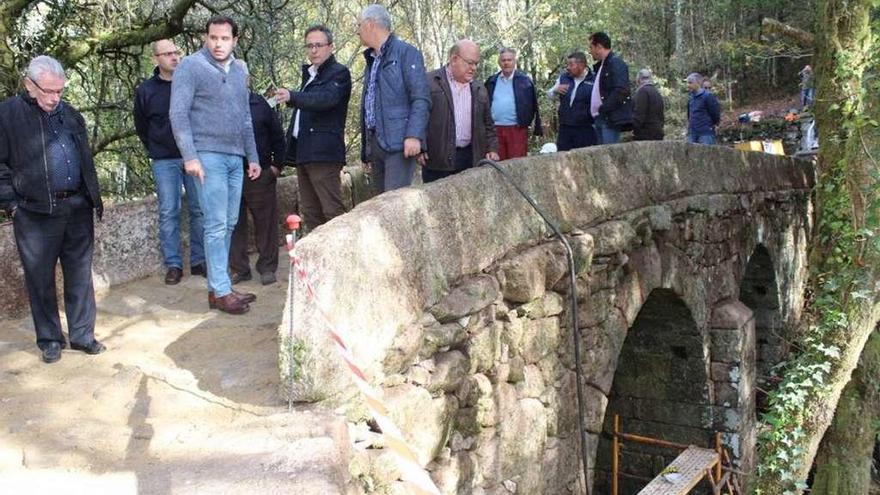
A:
[184, 401]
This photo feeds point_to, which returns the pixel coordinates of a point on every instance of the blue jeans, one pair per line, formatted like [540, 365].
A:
[807, 96]
[219, 196]
[605, 134]
[702, 139]
[169, 177]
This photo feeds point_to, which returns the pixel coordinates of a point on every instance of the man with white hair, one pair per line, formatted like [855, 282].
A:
[648, 109]
[395, 102]
[48, 185]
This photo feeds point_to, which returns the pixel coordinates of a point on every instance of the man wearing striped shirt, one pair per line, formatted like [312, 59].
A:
[460, 127]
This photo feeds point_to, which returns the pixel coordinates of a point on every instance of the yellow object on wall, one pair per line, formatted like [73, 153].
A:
[774, 147]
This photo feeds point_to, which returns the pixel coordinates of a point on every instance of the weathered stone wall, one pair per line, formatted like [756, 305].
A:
[453, 301]
[127, 245]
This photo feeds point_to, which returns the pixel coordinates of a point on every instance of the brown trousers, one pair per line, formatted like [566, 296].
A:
[320, 192]
[258, 197]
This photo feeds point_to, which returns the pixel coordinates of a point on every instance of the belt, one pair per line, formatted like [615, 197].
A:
[66, 194]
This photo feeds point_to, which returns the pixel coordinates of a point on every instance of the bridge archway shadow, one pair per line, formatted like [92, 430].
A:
[760, 293]
[660, 389]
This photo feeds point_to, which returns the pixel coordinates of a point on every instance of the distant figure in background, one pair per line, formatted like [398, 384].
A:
[610, 102]
[574, 88]
[707, 83]
[152, 99]
[514, 102]
[259, 197]
[704, 112]
[316, 136]
[648, 109]
[808, 87]
[460, 128]
[395, 102]
[49, 187]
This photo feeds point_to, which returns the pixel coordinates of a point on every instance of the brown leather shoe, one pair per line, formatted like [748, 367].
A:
[228, 304]
[245, 297]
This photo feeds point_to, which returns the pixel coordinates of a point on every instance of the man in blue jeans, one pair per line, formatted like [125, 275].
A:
[211, 121]
[151, 102]
[704, 111]
[610, 100]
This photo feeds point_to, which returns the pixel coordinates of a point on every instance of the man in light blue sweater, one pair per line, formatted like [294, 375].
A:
[211, 121]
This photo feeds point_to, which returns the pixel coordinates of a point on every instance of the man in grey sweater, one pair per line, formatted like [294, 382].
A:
[211, 121]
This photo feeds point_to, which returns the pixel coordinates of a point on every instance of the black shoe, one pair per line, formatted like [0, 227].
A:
[173, 276]
[52, 352]
[240, 277]
[93, 347]
[200, 269]
[267, 278]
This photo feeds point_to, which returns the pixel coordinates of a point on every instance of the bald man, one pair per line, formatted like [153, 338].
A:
[460, 127]
[151, 103]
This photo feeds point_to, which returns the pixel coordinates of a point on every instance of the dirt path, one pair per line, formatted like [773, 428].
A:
[185, 401]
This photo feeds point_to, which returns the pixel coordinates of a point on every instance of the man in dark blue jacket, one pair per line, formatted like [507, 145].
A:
[151, 102]
[573, 88]
[259, 197]
[49, 186]
[395, 102]
[514, 106]
[704, 111]
[316, 136]
[610, 102]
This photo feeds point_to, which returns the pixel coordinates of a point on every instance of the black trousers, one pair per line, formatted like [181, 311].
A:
[258, 197]
[68, 235]
[571, 137]
[464, 159]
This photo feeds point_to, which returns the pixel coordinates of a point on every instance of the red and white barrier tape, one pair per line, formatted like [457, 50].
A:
[411, 471]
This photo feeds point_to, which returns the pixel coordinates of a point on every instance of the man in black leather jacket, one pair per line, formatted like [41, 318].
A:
[49, 186]
[316, 137]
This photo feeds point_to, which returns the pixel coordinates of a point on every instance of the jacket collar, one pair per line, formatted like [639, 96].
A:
[368, 53]
[32, 102]
[321, 68]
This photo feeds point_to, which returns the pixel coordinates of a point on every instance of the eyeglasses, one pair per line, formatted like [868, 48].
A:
[315, 46]
[168, 54]
[472, 63]
[56, 92]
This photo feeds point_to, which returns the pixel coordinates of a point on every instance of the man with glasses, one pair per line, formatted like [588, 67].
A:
[211, 121]
[395, 102]
[316, 138]
[48, 185]
[152, 100]
[460, 127]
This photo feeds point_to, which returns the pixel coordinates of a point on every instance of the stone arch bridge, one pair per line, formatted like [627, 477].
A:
[690, 262]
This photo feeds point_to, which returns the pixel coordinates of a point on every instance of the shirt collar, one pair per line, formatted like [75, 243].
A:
[452, 79]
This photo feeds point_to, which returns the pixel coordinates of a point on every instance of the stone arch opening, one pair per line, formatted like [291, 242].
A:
[760, 293]
[660, 389]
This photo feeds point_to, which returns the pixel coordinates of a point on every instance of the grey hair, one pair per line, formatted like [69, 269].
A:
[378, 14]
[506, 49]
[43, 64]
[644, 75]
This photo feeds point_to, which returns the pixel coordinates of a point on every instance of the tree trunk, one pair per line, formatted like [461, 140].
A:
[843, 464]
[844, 302]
